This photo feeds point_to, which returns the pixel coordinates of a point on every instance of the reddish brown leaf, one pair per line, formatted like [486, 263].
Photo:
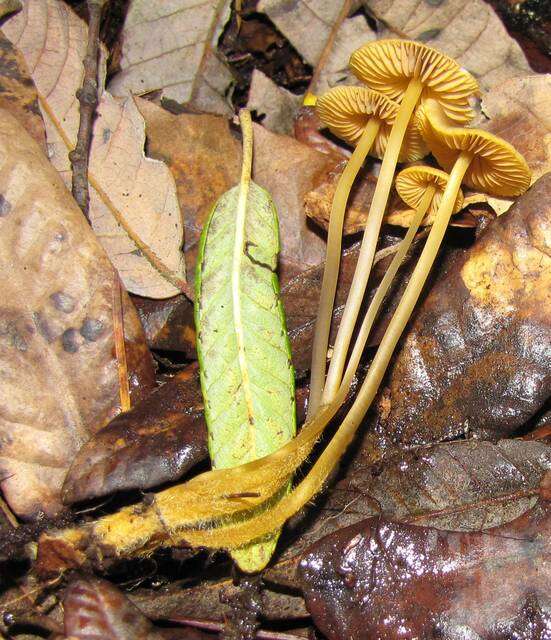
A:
[96, 609]
[466, 485]
[205, 160]
[156, 441]
[477, 357]
[386, 580]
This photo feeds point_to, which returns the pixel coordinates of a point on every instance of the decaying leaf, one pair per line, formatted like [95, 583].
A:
[469, 32]
[157, 441]
[204, 158]
[318, 202]
[389, 580]
[170, 47]
[17, 92]
[477, 357]
[308, 24]
[59, 376]
[274, 104]
[95, 608]
[462, 486]
[520, 112]
[133, 204]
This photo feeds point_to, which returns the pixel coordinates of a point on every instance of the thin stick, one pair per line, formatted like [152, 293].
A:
[8, 513]
[88, 97]
[213, 625]
[120, 348]
[328, 48]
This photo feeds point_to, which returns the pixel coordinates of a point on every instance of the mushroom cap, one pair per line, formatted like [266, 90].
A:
[496, 168]
[347, 110]
[388, 66]
[412, 183]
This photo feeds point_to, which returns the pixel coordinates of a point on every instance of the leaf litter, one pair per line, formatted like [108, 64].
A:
[469, 495]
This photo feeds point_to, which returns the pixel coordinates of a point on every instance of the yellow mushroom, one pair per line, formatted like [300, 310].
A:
[410, 73]
[362, 118]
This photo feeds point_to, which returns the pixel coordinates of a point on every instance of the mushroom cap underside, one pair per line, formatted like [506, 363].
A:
[496, 167]
[388, 66]
[347, 110]
[413, 182]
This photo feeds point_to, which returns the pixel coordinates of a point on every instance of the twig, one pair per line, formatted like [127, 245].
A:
[343, 14]
[213, 625]
[88, 97]
[8, 513]
[120, 348]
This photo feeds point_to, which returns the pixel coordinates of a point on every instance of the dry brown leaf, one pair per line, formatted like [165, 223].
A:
[17, 92]
[308, 25]
[519, 111]
[205, 160]
[470, 32]
[133, 204]
[318, 202]
[59, 374]
[168, 46]
[276, 105]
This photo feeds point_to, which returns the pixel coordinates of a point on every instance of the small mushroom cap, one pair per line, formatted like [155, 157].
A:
[347, 110]
[412, 183]
[496, 168]
[388, 66]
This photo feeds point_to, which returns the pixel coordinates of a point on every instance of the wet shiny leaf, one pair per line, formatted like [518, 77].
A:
[477, 357]
[387, 580]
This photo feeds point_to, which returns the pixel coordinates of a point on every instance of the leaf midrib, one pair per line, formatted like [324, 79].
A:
[239, 242]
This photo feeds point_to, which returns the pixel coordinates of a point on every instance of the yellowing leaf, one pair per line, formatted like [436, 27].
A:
[133, 204]
[168, 46]
[58, 379]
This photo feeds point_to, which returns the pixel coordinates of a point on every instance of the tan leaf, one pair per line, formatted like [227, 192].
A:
[134, 208]
[519, 111]
[17, 91]
[308, 24]
[469, 31]
[168, 46]
[59, 381]
[277, 105]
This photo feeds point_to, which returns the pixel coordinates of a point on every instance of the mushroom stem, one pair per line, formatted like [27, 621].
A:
[332, 386]
[371, 232]
[242, 532]
[332, 262]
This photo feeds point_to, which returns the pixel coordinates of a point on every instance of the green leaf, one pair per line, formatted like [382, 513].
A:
[244, 354]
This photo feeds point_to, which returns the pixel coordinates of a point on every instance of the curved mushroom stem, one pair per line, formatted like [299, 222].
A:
[232, 535]
[332, 262]
[331, 387]
[371, 232]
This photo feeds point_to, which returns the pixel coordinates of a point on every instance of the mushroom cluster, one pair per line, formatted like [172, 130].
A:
[415, 101]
